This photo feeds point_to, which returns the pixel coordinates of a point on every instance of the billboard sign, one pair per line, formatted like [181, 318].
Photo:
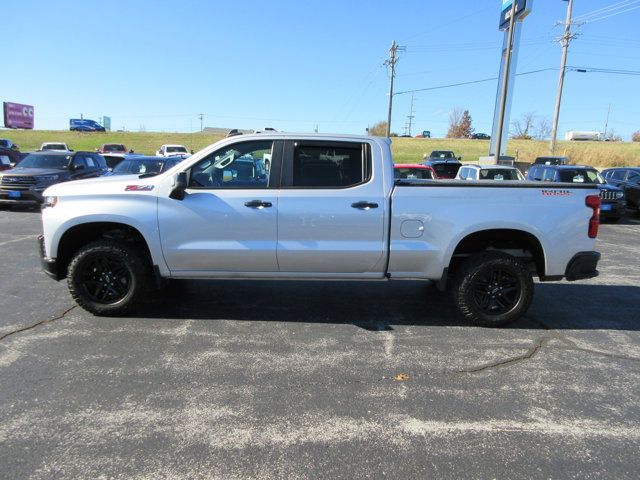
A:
[523, 8]
[17, 115]
[106, 123]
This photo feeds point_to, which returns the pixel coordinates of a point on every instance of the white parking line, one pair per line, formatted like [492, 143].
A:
[19, 239]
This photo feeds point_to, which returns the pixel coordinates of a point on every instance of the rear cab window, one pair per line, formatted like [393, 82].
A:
[326, 164]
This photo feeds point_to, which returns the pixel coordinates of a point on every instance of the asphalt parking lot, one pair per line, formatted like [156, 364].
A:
[318, 380]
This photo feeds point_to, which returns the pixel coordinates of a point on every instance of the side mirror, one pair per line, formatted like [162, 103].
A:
[178, 191]
[460, 158]
[77, 167]
[15, 147]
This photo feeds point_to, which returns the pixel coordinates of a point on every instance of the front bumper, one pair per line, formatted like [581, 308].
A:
[583, 265]
[33, 196]
[49, 265]
[612, 209]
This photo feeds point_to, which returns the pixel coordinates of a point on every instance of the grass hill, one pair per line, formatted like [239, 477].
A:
[405, 150]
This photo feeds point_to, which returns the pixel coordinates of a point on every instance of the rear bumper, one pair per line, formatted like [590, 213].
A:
[582, 265]
[49, 265]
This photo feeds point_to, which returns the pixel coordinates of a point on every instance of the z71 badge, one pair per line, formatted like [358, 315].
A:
[138, 188]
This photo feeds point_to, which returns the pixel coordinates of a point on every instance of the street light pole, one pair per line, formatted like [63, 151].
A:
[566, 38]
[505, 83]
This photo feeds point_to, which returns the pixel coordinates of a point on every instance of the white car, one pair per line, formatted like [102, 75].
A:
[329, 208]
[489, 172]
[55, 146]
[172, 150]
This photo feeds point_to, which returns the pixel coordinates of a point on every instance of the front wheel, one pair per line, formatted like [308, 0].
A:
[107, 277]
[493, 289]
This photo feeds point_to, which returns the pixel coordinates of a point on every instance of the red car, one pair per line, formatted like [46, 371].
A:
[112, 148]
[413, 171]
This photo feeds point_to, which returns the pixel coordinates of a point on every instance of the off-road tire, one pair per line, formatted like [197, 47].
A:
[492, 275]
[120, 286]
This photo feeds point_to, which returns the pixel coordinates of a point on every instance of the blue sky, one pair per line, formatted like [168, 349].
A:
[294, 65]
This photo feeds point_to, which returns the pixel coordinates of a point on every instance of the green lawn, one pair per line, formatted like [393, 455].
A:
[405, 150]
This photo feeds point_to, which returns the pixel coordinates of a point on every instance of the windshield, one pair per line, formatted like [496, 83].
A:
[499, 174]
[413, 173]
[54, 146]
[35, 160]
[4, 143]
[113, 148]
[446, 170]
[442, 154]
[138, 166]
[581, 176]
[176, 150]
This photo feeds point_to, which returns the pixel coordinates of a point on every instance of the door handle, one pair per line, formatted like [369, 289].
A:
[258, 204]
[364, 205]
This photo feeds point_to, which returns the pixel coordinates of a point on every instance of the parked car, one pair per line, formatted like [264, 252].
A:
[114, 159]
[144, 165]
[489, 172]
[112, 148]
[628, 179]
[413, 171]
[9, 154]
[25, 183]
[551, 161]
[444, 164]
[612, 197]
[328, 209]
[85, 125]
[55, 146]
[172, 150]
[480, 136]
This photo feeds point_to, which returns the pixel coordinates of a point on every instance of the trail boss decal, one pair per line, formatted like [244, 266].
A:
[138, 188]
[556, 193]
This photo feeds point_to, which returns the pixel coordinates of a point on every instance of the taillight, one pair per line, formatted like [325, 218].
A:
[593, 202]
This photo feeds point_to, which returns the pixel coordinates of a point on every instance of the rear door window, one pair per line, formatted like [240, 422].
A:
[326, 165]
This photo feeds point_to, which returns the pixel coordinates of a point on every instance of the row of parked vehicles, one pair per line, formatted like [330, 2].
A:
[619, 187]
[28, 175]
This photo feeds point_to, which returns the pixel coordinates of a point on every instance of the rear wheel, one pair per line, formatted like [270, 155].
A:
[108, 277]
[493, 289]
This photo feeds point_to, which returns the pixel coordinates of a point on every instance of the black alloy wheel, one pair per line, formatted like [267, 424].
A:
[108, 277]
[496, 291]
[493, 289]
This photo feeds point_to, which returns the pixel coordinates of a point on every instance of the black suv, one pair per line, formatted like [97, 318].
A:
[627, 178]
[444, 163]
[612, 197]
[24, 184]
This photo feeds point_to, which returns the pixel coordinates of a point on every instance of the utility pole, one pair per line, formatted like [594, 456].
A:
[393, 59]
[201, 117]
[505, 83]
[410, 117]
[566, 39]
[606, 124]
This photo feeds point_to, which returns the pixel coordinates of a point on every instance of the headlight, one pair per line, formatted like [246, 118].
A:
[619, 195]
[48, 178]
[49, 201]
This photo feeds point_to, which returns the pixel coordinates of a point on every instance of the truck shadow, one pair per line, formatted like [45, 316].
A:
[378, 306]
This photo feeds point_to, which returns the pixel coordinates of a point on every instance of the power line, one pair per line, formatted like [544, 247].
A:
[472, 82]
[612, 9]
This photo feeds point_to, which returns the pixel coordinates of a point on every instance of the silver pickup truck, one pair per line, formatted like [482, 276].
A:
[322, 207]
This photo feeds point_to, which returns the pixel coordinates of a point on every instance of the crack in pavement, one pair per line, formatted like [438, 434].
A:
[533, 350]
[41, 322]
[537, 345]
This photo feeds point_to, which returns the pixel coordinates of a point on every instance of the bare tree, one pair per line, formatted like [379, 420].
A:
[459, 124]
[543, 129]
[522, 129]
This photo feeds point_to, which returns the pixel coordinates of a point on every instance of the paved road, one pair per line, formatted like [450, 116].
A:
[298, 380]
